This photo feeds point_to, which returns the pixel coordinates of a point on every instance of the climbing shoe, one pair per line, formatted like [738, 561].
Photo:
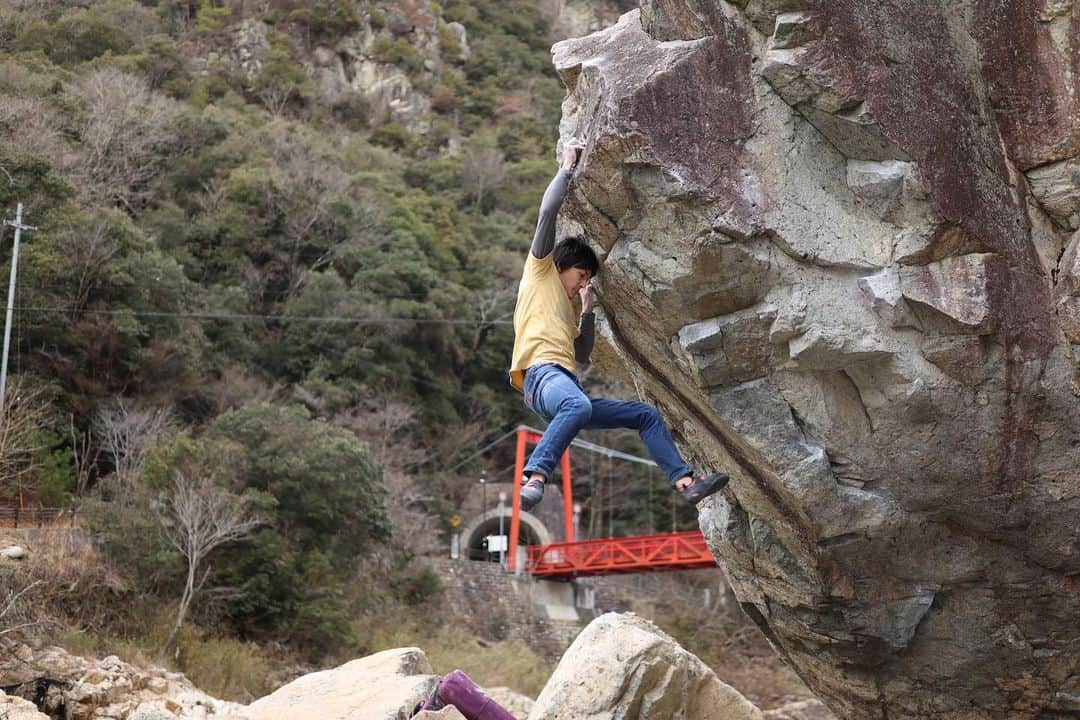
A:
[532, 492]
[702, 486]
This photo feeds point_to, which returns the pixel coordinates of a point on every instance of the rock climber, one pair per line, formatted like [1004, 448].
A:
[547, 342]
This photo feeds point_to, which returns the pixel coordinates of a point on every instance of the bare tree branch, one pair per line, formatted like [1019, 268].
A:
[384, 424]
[128, 433]
[492, 305]
[483, 170]
[9, 605]
[23, 412]
[201, 517]
[85, 454]
[124, 128]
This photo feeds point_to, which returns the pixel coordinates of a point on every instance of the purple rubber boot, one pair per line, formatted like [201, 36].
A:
[459, 690]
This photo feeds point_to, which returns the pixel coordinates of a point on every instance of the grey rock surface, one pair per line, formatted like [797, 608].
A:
[838, 252]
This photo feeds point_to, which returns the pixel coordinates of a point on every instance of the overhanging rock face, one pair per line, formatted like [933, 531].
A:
[839, 251]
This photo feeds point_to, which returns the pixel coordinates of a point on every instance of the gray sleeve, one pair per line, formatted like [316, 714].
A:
[583, 344]
[544, 238]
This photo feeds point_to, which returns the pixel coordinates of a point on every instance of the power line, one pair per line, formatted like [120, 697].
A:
[482, 450]
[191, 292]
[610, 453]
[249, 316]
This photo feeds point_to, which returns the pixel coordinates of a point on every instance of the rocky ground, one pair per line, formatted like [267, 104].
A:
[620, 666]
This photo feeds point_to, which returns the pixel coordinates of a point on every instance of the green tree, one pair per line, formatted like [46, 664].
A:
[326, 485]
[327, 510]
[280, 81]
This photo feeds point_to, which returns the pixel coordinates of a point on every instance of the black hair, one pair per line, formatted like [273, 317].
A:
[574, 252]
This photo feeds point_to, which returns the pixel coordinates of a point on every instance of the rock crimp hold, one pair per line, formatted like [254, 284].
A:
[839, 251]
[623, 666]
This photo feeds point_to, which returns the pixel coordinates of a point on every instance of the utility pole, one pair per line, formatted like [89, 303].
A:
[19, 227]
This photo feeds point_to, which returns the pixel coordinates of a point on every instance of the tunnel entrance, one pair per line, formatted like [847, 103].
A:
[474, 539]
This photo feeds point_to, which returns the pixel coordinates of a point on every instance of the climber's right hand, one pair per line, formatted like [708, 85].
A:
[571, 152]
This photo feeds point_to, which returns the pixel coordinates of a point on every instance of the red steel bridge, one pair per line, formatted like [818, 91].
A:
[612, 556]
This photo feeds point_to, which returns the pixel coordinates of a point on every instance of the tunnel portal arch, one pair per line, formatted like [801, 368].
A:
[533, 532]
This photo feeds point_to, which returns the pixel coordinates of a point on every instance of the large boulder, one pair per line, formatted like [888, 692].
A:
[623, 666]
[383, 686]
[833, 239]
[800, 710]
[447, 713]
[15, 708]
[513, 702]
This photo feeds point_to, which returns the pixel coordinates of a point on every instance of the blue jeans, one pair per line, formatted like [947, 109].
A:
[553, 393]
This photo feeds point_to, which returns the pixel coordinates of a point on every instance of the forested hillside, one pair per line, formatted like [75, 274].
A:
[276, 251]
[211, 226]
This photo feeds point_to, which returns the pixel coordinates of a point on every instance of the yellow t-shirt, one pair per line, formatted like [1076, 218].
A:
[544, 323]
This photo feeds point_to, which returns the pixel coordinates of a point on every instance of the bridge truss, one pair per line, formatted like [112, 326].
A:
[610, 556]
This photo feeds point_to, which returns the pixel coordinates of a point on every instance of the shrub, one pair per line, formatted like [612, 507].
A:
[280, 81]
[353, 110]
[226, 668]
[419, 586]
[444, 101]
[138, 22]
[377, 18]
[392, 135]
[211, 19]
[163, 65]
[332, 19]
[54, 469]
[33, 181]
[74, 39]
[68, 563]
[450, 644]
[130, 538]
[399, 52]
[448, 43]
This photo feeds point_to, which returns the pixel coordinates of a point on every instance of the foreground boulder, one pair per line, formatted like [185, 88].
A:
[623, 666]
[447, 713]
[800, 710]
[383, 686]
[517, 704]
[15, 708]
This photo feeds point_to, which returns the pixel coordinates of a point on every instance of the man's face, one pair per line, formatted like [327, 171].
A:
[573, 279]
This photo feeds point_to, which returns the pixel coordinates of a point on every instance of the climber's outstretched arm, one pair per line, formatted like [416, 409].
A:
[544, 238]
